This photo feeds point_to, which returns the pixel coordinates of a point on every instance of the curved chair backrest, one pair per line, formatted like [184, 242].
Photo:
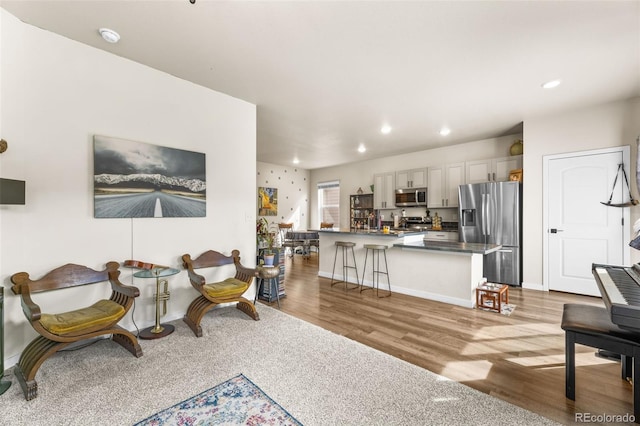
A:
[283, 228]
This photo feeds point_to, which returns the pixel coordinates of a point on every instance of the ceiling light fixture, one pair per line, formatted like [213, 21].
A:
[109, 35]
[362, 148]
[385, 129]
[551, 84]
[295, 160]
[444, 131]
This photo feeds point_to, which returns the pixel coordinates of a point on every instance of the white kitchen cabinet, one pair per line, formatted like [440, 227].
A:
[384, 191]
[415, 178]
[441, 236]
[493, 169]
[443, 185]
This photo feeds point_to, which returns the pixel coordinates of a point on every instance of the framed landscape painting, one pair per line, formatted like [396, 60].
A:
[136, 179]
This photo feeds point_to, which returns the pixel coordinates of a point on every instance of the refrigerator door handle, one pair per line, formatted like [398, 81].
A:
[505, 251]
[489, 216]
[484, 215]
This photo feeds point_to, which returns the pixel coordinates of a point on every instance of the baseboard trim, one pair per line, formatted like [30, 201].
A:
[532, 286]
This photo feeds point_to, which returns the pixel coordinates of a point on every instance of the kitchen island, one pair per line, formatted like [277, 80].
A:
[445, 271]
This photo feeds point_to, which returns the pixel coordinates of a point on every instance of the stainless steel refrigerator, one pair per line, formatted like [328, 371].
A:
[491, 213]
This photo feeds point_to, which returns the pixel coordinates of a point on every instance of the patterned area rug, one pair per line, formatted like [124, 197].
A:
[505, 309]
[238, 401]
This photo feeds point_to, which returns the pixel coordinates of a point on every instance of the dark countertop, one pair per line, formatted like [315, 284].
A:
[393, 233]
[451, 246]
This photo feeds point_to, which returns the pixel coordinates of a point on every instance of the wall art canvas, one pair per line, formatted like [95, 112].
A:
[136, 179]
[267, 201]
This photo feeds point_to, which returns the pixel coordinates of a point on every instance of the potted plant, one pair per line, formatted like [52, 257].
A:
[266, 241]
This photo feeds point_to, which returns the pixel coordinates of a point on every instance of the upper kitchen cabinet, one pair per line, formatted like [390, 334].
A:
[415, 178]
[492, 170]
[384, 190]
[443, 185]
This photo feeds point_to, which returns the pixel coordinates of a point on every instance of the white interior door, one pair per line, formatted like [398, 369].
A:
[581, 230]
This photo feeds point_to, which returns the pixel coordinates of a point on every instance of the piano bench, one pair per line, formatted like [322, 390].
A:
[591, 326]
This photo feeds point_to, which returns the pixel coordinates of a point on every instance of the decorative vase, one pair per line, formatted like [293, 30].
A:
[268, 259]
[516, 148]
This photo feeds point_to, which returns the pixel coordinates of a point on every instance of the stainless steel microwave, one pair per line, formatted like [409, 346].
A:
[411, 197]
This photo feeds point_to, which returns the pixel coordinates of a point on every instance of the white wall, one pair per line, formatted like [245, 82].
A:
[360, 174]
[603, 126]
[55, 95]
[293, 192]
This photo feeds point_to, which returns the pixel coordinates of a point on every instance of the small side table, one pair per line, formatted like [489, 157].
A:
[269, 276]
[491, 296]
[159, 330]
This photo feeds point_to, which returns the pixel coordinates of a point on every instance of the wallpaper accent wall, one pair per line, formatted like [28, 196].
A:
[293, 193]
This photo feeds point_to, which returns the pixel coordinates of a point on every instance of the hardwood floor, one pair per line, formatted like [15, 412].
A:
[519, 358]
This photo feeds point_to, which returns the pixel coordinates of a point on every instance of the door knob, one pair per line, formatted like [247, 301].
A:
[555, 231]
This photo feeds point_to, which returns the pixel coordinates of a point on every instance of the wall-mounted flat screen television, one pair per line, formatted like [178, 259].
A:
[12, 191]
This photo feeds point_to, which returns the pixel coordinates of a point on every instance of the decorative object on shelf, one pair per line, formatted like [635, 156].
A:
[436, 223]
[631, 201]
[371, 186]
[515, 175]
[359, 191]
[516, 147]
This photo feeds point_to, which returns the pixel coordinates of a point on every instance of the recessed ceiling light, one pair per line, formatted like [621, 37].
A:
[444, 131]
[109, 35]
[362, 148]
[295, 160]
[386, 129]
[551, 84]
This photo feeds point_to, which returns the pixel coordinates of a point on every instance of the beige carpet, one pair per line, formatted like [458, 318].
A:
[319, 377]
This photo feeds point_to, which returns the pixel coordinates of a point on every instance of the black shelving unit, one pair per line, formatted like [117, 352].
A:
[360, 207]
[263, 286]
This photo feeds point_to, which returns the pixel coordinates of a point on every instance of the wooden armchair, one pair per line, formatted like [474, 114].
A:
[61, 329]
[227, 291]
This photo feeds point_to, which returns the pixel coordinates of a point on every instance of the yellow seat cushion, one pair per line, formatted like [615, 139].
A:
[226, 288]
[102, 312]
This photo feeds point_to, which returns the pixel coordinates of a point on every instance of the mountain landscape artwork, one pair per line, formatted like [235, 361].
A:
[137, 179]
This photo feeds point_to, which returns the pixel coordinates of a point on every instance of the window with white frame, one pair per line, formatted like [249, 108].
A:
[329, 203]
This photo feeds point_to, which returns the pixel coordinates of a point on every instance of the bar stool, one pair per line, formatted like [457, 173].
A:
[376, 249]
[344, 246]
[269, 276]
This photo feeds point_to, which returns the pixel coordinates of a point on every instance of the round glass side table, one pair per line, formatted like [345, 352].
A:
[158, 330]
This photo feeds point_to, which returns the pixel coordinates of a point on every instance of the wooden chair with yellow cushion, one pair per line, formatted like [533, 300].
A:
[228, 290]
[59, 330]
